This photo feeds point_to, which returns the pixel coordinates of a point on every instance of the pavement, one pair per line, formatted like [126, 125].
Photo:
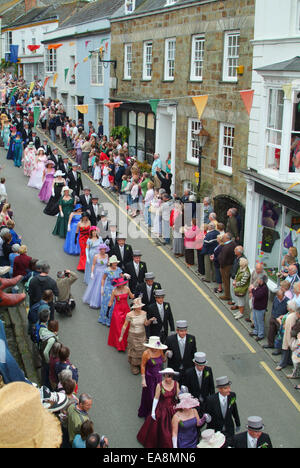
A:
[105, 373]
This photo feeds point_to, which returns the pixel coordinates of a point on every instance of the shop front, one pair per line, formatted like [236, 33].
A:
[272, 225]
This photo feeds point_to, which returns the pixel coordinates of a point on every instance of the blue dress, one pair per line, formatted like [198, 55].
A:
[70, 247]
[18, 151]
[108, 289]
[187, 434]
[5, 134]
[91, 250]
[10, 153]
[92, 295]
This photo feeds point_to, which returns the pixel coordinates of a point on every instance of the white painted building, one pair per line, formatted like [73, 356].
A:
[272, 212]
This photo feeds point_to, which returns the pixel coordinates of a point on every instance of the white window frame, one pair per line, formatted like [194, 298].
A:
[97, 71]
[51, 60]
[23, 46]
[127, 63]
[273, 132]
[192, 143]
[230, 56]
[129, 6]
[170, 2]
[8, 41]
[147, 61]
[170, 58]
[197, 57]
[225, 147]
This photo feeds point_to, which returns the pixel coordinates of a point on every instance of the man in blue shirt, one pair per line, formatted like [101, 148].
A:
[156, 163]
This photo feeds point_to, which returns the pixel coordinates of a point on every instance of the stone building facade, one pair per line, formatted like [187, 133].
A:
[209, 37]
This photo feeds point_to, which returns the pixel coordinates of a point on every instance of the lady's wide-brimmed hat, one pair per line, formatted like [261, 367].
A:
[41, 149]
[211, 439]
[59, 173]
[187, 401]
[169, 371]
[66, 188]
[49, 162]
[77, 207]
[113, 259]
[104, 246]
[119, 282]
[137, 303]
[94, 228]
[155, 343]
[27, 423]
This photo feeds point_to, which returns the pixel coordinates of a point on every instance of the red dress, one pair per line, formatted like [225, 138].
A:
[158, 434]
[121, 309]
[83, 238]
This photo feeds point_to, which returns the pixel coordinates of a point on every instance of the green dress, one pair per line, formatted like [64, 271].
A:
[61, 227]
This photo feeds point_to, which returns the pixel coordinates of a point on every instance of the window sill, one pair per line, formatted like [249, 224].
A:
[222, 172]
[146, 80]
[191, 163]
[195, 80]
[126, 79]
[229, 82]
[168, 81]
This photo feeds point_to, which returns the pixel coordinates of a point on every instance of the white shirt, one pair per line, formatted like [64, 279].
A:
[251, 442]
[122, 251]
[223, 402]
[137, 268]
[161, 311]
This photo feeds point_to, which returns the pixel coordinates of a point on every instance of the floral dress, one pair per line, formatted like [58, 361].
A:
[29, 161]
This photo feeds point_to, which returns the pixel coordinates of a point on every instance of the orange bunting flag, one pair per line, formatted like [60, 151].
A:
[83, 108]
[113, 105]
[247, 97]
[200, 104]
[85, 59]
[71, 43]
[54, 46]
[55, 78]
[45, 82]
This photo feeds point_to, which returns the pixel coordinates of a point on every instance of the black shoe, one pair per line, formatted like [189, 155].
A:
[266, 346]
[276, 353]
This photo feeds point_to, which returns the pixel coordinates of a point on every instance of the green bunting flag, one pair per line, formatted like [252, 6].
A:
[66, 73]
[14, 90]
[154, 103]
[36, 114]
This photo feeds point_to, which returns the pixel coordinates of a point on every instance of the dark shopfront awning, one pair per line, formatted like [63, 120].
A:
[269, 189]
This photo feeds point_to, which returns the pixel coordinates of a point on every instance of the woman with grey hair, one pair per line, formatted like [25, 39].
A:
[290, 321]
[15, 249]
[241, 284]
[260, 295]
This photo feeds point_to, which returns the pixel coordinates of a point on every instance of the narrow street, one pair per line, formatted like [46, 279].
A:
[104, 373]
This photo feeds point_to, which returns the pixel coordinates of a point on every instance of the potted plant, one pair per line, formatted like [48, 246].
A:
[120, 132]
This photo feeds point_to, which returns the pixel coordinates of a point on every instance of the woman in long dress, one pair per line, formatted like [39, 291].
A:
[65, 206]
[5, 134]
[92, 248]
[59, 182]
[136, 320]
[10, 153]
[156, 431]
[29, 159]
[152, 363]
[48, 178]
[92, 295]
[112, 272]
[36, 178]
[186, 421]
[71, 246]
[119, 297]
[18, 149]
[83, 229]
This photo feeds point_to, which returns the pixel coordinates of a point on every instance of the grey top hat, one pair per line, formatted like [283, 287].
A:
[255, 423]
[200, 359]
[103, 214]
[181, 324]
[159, 292]
[137, 253]
[75, 164]
[149, 275]
[222, 381]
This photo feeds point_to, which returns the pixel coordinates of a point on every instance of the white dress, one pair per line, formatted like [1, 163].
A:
[97, 173]
[105, 181]
[36, 178]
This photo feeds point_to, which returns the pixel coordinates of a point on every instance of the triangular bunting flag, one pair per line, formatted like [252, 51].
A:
[85, 59]
[71, 43]
[66, 73]
[82, 108]
[31, 88]
[200, 103]
[154, 103]
[86, 43]
[55, 78]
[247, 97]
[45, 82]
[75, 66]
[54, 46]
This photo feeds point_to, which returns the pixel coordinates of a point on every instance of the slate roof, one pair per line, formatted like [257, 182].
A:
[292, 65]
[149, 6]
[12, 13]
[93, 11]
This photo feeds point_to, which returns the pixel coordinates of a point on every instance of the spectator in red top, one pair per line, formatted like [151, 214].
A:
[22, 262]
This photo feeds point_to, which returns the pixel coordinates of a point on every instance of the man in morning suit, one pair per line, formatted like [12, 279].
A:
[147, 289]
[254, 437]
[160, 316]
[56, 158]
[94, 210]
[223, 409]
[36, 140]
[86, 199]
[74, 178]
[123, 252]
[181, 350]
[199, 378]
[136, 269]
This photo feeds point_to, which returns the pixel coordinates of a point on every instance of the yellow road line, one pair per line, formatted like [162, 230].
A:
[280, 385]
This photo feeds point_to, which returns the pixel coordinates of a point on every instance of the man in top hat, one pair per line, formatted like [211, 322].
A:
[161, 317]
[35, 139]
[65, 166]
[254, 437]
[120, 171]
[136, 269]
[146, 290]
[123, 252]
[223, 409]
[199, 378]
[181, 349]
[46, 147]
[104, 225]
[26, 134]
[113, 236]
[56, 158]
[86, 200]
[94, 210]
[18, 122]
[74, 177]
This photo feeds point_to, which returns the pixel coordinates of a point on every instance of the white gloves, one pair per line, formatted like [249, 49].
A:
[127, 276]
[154, 405]
[174, 442]
[207, 417]
[102, 291]
[69, 228]
[92, 277]
[61, 214]
[169, 354]
[53, 194]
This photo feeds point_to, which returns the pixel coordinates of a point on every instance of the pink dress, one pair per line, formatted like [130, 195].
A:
[46, 190]
[36, 178]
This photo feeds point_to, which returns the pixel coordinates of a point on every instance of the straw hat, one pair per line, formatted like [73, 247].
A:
[211, 439]
[155, 343]
[187, 401]
[27, 423]
[137, 303]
